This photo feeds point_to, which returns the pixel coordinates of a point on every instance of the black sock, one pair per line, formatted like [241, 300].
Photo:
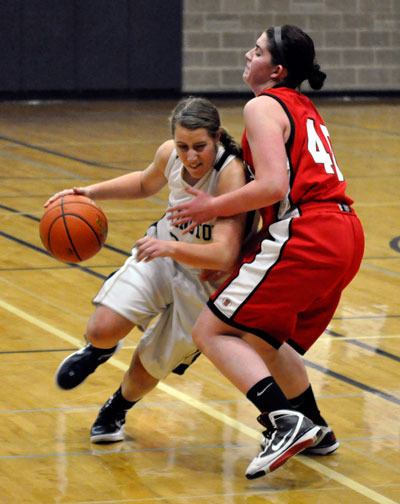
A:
[305, 403]
[119, 402]
[267, 396]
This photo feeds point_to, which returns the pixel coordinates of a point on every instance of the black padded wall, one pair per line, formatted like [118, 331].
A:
[10, 45]
[155, 59]
[101, 31]
[90, 45]
[47, 45]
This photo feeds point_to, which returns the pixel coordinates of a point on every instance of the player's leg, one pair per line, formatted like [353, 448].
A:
[310, 325]
[290, 373]
[134, 295]
[164, 347]
[286, 366]
[238, 357]
[110, 422]
[104, 330]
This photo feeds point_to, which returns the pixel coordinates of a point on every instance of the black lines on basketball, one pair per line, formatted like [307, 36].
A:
[73, 228]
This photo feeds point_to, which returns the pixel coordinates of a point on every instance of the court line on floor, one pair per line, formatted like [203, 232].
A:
[343, 339]
[205, 408]
[250, 493]
[63, 155]
[385, 271]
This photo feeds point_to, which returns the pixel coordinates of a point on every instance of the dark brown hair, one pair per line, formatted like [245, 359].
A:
[291, 47]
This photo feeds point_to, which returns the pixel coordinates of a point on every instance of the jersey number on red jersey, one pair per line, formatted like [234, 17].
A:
[318, 151]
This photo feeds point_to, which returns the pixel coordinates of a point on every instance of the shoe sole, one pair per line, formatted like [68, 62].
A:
[321, 451]
[108, 438]
[300, 446]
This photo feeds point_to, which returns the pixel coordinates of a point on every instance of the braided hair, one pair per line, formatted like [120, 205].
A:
[292, 48]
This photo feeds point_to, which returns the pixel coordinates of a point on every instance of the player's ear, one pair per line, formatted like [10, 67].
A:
[279, 73]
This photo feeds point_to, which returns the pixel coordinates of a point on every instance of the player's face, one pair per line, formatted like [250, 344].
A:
[196, 149]
[258, 69]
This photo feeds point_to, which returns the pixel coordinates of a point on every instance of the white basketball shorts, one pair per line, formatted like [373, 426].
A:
[141, 291]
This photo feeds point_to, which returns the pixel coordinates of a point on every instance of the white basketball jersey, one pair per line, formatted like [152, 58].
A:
[177, 187]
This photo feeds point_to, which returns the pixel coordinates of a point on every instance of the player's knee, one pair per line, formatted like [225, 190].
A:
[97, 335]
[106, 327]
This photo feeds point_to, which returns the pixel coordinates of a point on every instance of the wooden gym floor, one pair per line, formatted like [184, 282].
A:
[191, 439]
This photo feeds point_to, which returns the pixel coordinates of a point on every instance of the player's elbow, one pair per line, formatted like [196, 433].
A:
[277, 191]
[279, 188]
[283, 188]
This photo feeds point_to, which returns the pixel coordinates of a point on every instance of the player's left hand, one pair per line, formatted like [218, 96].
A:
[196, 211]
[148, 248]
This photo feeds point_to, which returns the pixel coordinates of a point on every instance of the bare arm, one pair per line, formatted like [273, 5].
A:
[223, 252]
[267, 128]
[133, 185]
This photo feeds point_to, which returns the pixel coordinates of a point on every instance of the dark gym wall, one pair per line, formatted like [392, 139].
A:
[90, 45]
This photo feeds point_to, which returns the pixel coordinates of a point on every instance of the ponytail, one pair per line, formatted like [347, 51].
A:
[230, 144]
[316, 77]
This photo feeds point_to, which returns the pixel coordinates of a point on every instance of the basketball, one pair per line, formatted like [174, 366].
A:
[73, 228]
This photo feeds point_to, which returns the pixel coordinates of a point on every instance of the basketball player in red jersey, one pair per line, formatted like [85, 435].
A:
[286, 290]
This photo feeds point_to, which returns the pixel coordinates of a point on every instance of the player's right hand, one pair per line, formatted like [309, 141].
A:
[148, 248]
[66, 192]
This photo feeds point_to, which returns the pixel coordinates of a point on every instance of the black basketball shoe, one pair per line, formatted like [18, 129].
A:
[79, 365]
[109, 424]
[291, 433]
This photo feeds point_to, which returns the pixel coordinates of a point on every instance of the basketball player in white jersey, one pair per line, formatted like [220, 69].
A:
[165, 274]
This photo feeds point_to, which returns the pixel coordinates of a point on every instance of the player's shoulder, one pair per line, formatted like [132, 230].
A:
[232, 176]
[261, 104]
[263, 114]
[163, 154]
[232, 165]
[165, 150]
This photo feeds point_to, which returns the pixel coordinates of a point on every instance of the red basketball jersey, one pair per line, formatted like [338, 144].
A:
[314, 174]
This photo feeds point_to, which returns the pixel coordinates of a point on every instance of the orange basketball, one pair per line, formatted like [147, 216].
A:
[73, 228]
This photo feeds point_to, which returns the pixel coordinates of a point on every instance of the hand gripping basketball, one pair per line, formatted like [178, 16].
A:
[73, 228]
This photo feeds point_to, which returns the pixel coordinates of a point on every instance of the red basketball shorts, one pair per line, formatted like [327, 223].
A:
[288, 289]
